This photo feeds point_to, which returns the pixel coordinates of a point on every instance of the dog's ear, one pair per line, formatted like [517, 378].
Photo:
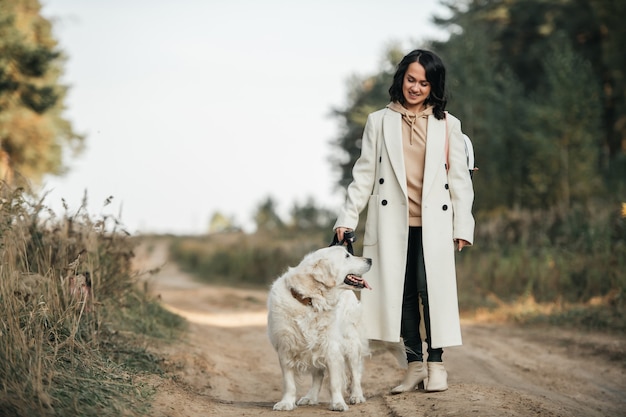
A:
[305, 285]
[324, 271]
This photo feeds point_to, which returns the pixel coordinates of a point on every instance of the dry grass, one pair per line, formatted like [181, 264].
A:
[70, 314]
[600, 313]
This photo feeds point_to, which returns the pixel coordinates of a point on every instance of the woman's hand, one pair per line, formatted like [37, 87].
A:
[340, 232]
[460, 243]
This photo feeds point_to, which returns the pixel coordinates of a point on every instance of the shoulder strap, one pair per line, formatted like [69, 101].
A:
[469, 152]
[447, 145]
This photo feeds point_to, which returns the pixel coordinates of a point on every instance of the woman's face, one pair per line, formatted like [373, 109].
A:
[415, 88]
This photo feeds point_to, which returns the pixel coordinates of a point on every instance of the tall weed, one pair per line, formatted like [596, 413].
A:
[66, 291]
[567, 259]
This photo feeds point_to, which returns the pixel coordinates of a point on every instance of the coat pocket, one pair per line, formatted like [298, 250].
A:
[371, 222]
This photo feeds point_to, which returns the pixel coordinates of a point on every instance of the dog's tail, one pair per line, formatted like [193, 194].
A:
[396, 349]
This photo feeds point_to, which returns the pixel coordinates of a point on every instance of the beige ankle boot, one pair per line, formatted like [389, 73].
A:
[416, 373]
[437, 377]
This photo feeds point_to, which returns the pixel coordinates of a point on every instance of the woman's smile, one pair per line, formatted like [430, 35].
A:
[415, 88]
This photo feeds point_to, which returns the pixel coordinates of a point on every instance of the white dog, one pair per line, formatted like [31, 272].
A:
[314, 324]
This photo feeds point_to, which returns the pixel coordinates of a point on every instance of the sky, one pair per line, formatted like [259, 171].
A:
[194, 107]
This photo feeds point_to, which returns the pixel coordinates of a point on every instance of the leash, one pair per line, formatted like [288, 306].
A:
[348, 238]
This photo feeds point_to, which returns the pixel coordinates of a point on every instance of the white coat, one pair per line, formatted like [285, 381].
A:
[379, 182]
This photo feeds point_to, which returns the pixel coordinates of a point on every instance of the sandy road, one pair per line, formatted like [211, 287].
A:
[225, 366]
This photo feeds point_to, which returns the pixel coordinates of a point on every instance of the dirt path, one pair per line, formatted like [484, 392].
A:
[226, 367]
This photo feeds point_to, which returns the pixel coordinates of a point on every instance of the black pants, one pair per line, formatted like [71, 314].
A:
[415, 288]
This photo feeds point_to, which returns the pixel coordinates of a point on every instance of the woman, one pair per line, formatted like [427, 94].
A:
[412, 175]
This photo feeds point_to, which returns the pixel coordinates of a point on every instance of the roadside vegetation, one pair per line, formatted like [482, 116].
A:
[541, 267]
[74, 323]
[526, 266]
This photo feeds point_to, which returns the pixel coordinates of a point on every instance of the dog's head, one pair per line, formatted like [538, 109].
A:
[328, 269]
[336, 267]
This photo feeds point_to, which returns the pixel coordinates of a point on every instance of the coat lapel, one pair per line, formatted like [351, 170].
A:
[392, 134]
[435, 149]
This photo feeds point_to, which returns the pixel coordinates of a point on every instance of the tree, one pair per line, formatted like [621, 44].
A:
[220, 223]
[520, 34]
[266, 217]
[487, 97]
[611, 68]
[563, 167]
[308, 216]
[33, 131]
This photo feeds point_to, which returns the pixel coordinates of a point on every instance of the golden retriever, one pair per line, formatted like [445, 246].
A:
[314, 324]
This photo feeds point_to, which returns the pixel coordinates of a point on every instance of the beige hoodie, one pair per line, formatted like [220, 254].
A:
[414, 146]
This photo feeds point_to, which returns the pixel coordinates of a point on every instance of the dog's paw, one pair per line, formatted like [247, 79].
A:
[307, 401]
[338, 406]
[356, 399]
[284, 406]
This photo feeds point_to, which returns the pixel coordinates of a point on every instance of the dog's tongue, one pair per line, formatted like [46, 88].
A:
[357, 281]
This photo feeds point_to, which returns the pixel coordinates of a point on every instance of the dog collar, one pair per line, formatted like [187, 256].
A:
[307, 301]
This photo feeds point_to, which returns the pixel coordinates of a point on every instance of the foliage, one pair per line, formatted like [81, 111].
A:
[566, 61]
[221, 223]
[569, 260]
[242, 259]
[232, 257]
[33, 131]
[266, 217]
[73, 322]
[562, 125]
[308, 216]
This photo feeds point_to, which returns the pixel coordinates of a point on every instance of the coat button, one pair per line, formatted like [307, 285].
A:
[380, 181]
[445, 207]
[384, 202]
[446, 186]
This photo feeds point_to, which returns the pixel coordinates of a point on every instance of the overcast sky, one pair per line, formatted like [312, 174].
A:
[193, 107]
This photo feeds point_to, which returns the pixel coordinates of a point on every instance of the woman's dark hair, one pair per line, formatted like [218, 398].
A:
[435, 75]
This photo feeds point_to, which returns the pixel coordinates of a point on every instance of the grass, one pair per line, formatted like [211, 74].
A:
[241, 259]
[74, 321]
[600, 313]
